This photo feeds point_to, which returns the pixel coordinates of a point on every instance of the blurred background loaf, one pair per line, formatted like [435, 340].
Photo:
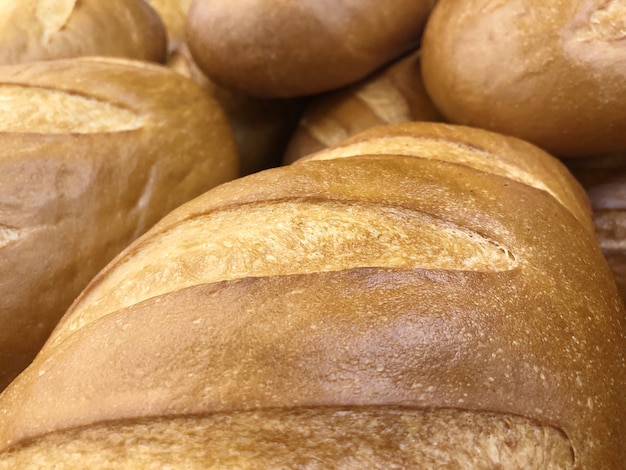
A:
[261, 126]
[173, 14]
[93, 152]
[604, 179]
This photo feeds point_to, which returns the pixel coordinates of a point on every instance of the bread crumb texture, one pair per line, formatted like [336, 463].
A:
[25, 109]
[8, 235]
[291, 238]
[311, 438]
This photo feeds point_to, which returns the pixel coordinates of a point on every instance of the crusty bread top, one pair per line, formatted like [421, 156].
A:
[554, 76]
[372, 280]
[479, 149]
[32, 30]
[47, 111]
[148, 97]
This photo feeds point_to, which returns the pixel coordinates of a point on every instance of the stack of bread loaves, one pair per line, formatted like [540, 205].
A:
[261, 126]
[403, 293]
[94, 152]
[420, 296]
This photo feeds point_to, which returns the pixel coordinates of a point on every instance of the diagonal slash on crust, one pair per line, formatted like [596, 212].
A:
[53, 15]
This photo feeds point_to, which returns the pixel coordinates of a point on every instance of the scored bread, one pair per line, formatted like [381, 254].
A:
[32, 30]
[364, 307]
[364, 437]
[393, 95]
[93, 151]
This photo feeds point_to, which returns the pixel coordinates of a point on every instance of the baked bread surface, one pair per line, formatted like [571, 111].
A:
[553, 76]
[393, 95]
[93, 152]
[32, 30]
[293, 48]
[364, 292]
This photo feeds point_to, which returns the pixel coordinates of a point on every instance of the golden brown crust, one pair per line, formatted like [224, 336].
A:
[553, 76]
[347, 438]
[476, 148]
[261, 126]
[283, 49]
[72, 197]
[32, 30]
[518, 328]
[393, 95]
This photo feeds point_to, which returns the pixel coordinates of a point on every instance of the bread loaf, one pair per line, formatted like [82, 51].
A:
[92, 153]
[418, 298]
[393, 95]
[32, 30]
[553, 76]
[284, 49]
[261, 126]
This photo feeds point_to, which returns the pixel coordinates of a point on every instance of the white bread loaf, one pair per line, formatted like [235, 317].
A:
[423, 296]
[93, 152]
[32, 30]
[554, 76]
